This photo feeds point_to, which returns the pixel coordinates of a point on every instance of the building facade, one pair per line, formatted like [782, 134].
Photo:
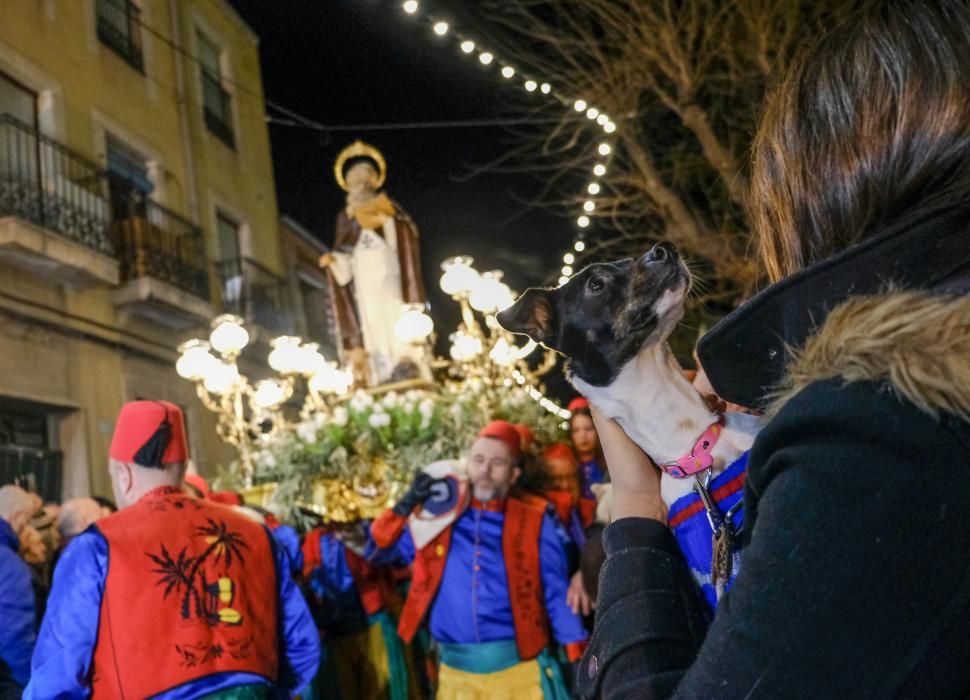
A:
[136, 203]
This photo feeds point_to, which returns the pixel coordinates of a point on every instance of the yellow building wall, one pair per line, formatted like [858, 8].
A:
[72, 347]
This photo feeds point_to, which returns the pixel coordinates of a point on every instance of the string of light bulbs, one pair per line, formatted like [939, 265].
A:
[469, 46]
[537, 396]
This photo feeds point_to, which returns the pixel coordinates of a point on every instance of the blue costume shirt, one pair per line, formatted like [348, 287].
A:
[593, 473]
[289, 541]
[62, 659]
[472, 604]
[16, 607]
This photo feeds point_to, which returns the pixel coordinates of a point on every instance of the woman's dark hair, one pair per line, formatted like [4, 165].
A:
[871, 126]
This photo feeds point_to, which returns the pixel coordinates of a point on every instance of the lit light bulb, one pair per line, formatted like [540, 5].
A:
[286, 356]
[228, 336]
[485, 57]
[467, 46]
[562, 281]
[604, 149]
[592, 113]
[567, 270]
[579, 105]
[599, 170]
[530, 85]
[223, 377]
[569, 258]
[602, 119]
[460, 277]
[580, 246]
[583, 221]
[440, 28]
[269, 393]
[413, 325]
[411, 6]
[589, 205]
[593, 188]
[545, 88]
[508, 71]
[609, 127]
[195, 360]
[490, 294]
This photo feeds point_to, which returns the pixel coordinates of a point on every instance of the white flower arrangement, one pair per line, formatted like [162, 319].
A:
[405, 431]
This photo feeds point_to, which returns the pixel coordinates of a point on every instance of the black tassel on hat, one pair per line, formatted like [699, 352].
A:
[150, 454]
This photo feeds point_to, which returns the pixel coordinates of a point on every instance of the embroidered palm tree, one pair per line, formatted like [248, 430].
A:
[177, 575]
[224, 543]
[183, 574]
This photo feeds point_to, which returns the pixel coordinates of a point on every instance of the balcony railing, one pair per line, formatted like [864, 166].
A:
[36, 470]
[119, 27]
[152, 241]
[217, 108]
[253, 292]
[47, 184]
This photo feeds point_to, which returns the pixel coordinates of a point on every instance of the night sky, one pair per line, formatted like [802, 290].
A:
[355, 62]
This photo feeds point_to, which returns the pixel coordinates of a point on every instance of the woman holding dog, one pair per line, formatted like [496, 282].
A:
[854, 581]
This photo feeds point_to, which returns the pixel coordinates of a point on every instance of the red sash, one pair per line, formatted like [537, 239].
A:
[520, 545]
[191, 591]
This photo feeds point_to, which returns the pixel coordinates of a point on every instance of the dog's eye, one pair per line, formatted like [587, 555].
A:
[595, 285]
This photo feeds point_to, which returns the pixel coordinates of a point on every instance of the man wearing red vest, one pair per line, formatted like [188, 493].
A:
[492, 583]
[172, 596]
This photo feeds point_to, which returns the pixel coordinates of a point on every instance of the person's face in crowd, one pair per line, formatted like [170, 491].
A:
[584, 436]
[32, 547]
[491, 469]
[563, 475]
[361, 180]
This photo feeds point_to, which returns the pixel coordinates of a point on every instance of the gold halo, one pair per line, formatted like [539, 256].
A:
[354, 150]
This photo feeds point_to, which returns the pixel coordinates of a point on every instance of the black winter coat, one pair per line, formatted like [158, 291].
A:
[855, 575]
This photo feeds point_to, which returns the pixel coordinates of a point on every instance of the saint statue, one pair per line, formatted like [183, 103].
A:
[375, 265]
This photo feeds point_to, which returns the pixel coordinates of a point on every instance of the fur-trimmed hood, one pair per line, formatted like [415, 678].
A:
[916, 343]
[746, 354]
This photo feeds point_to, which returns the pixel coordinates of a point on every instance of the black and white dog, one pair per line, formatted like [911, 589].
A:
[612, 321]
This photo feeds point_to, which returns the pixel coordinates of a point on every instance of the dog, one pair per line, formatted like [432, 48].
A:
[612, 321]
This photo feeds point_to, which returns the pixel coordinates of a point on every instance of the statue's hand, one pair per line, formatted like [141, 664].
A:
[326, 260]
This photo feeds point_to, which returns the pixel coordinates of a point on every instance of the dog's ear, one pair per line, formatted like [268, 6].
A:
[534, 315]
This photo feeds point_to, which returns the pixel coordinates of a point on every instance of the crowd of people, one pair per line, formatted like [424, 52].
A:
[175, 590]
[483, 581]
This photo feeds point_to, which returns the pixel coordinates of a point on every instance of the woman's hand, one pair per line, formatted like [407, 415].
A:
[636, 479]
[577, 598]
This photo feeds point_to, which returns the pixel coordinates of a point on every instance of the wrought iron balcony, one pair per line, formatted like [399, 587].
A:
[47, 184]
[55, 216]
[152, 241]
[253, 292]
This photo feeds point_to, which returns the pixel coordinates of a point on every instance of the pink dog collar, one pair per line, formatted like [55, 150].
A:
[699, 458]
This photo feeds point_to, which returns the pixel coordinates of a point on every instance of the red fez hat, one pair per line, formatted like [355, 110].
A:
[506, 432]
[526, 436]
[559, 450]
[578, 404]
[149, 434]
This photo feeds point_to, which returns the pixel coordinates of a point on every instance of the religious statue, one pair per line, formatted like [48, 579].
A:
[375, 265]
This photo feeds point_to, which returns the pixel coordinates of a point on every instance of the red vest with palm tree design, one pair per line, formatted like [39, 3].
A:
[191, 591]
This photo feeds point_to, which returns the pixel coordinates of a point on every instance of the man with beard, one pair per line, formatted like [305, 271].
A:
[492, 583]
